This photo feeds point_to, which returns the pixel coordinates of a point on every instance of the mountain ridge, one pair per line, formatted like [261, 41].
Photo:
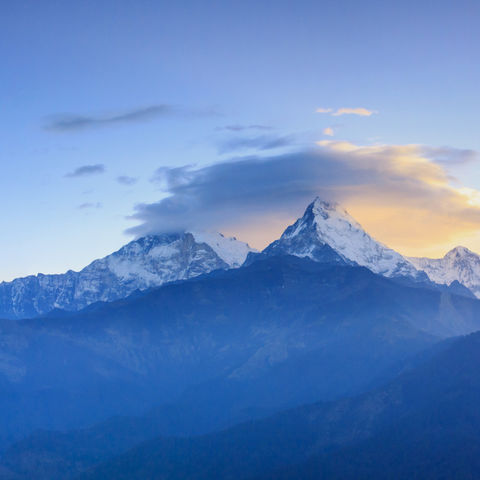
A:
[459, 264]
[143, 263]
[338, 439]
[327, 223]
[281, 331]
[325, 233]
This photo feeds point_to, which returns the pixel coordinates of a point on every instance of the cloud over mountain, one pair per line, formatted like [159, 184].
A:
[392, 189]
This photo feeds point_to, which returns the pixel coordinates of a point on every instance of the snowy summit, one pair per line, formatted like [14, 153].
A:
[329, 224]
[459, 264]
[144, 263]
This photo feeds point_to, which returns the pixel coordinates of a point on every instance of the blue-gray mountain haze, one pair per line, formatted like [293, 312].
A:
[188, 335]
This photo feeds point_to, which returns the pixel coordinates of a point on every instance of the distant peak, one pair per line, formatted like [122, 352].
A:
[459, 252]
[328, 223]
[229, 249]
[319, 203]
[323, 210]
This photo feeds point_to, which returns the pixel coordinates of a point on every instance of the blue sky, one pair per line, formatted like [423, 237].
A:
[131, 87]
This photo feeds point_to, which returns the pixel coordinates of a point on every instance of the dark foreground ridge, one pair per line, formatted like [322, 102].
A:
[209, 352]
[423, 424]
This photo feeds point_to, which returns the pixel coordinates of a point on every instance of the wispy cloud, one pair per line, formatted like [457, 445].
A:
[450, 156]
[393, 189]
[70, 122]
[73, 122]
[360, 111]
[435, 157]
[86, 170]
[328, 131]
[89, 205]
[262, 142]
[126, 180]
[243, 128]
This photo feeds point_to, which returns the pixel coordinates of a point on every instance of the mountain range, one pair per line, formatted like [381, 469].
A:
[144, 263]
[210, 351]
[460, 264]
[325, 232]
[423, 424]
[189, 355]
[280, 332]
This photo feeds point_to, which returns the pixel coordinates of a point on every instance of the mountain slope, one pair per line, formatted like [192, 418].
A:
[144, 263]
[281, 332]
[424, 424]
[328, 224]
[459, 264]
[432, 431]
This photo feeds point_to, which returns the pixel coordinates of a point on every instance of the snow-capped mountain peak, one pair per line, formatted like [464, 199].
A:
[459, 252]
[143, 263]
[459, 264]
[232, 251]
[328, 223]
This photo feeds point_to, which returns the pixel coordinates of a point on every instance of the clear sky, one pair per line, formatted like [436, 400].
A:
[102, 102]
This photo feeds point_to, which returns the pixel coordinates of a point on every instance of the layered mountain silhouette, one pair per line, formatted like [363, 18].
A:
[283, 324]
[424, 424]
[160, 351]
[222, 347]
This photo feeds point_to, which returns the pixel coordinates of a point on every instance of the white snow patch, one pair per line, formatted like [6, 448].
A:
[335, 227]
[229, 249]
[164, 251]
[460, 264]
